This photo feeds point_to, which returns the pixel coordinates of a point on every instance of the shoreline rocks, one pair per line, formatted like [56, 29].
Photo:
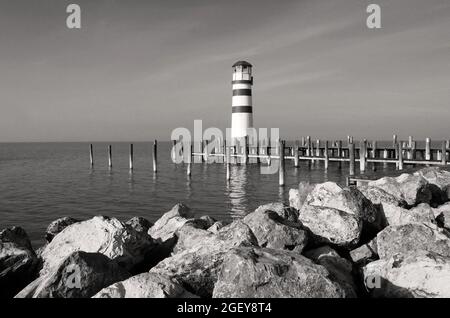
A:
[389, 238]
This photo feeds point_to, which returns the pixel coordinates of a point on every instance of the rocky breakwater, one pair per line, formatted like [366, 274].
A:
[389, 238]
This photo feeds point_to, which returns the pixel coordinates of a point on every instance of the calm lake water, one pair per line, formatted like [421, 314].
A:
[40, 182]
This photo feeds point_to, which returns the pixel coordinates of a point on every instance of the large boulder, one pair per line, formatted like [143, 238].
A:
[349, 200]
[139, 224]
[412, 237]
[104, 235]
[145, 285]
[436, 176]
[217, 226]
[442, 214]
[331, 226]
[422, 274]
[273, 231]
[297, 197]
[379, 196]
[396, 215]
[165, 227]
[57, 226]
[249, 272]
[18, 262]
[339, 268]
[197, 267]
[81, 274]
[294, 199]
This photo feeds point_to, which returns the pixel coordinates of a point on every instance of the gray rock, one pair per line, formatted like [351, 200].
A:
[104, 235]
[18, 262]
[412, 237]
[197, 268]
[348, 200]
[379, 196]
[294, 199]
[208, 221]
[419, 274]
[273, 231]
[287, 213]
[436, 176]
[57, 226]
[396, 215]
[332, 226]
[139, 224]
[145, 285]
[365, 254]
[249, 272]
[339, 268]
[442, 214]
[81, 274]
[165, 227]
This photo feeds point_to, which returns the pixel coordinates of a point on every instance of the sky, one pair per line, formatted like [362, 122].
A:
[136, 70]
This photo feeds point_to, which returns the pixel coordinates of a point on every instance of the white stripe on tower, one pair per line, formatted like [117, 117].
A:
[242, 105]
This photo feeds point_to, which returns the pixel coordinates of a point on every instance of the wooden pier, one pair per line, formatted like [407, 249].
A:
[366, 153]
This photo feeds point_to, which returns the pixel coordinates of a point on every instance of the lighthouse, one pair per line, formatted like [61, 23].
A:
[241, 105]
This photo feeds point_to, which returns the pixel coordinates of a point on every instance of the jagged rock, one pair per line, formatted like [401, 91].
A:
[81, 274]
[145, 285]
[396, 215]
[273, 231]
[436, 176]
[349, 200]
[442, 214]
[139, 224]
[18, 262]
[287, 213]
[57, 226]
[330, 225]
[217, 226]
[365, 253]
[339, 268]
[196, 268]
[294, 199]
[412, 237]
[379, 196]
[189, 236]
[249, 272]
[104, 235]
[419, 274]
[297, 197]
[165, 227]
[414, 189]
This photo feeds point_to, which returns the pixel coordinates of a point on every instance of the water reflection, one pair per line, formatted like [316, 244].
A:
[236, 191]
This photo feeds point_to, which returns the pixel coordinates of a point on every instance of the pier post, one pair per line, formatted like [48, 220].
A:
[246, 150]
[427, 149]
[155, 156]
[444, 153]
[308, 146]
[227, 155]
[281, 144]
[339, 152]
[172, 153]
[410, 147]
[351, 154]
[91, 155]
[394, 145]
[325, 154]
[400, 156]
[131, 157]
[187, 156]
[109, 156]
[362, 156]
[374, 154]
[205, 151]
[258, 150]
[296, 160]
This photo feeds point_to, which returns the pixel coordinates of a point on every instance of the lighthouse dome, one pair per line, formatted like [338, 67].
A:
[242, 63]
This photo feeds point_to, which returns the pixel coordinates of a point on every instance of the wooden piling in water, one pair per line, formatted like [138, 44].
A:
[246, 150]
[109, 156]
[400, 156]
[227, 154]
[427, 149]
[444, 153]
[325, 154]
[394, 145]
[362, 156]
[155, 156]
[351, 151]
[281, 145]
[296, 159]
[91, 155]
[131, 157]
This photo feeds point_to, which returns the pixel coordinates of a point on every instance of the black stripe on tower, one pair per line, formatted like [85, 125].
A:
[242, 92]
[242, 109]
[242, 81]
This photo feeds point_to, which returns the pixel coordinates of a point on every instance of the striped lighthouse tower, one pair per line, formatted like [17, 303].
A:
[242, 112]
